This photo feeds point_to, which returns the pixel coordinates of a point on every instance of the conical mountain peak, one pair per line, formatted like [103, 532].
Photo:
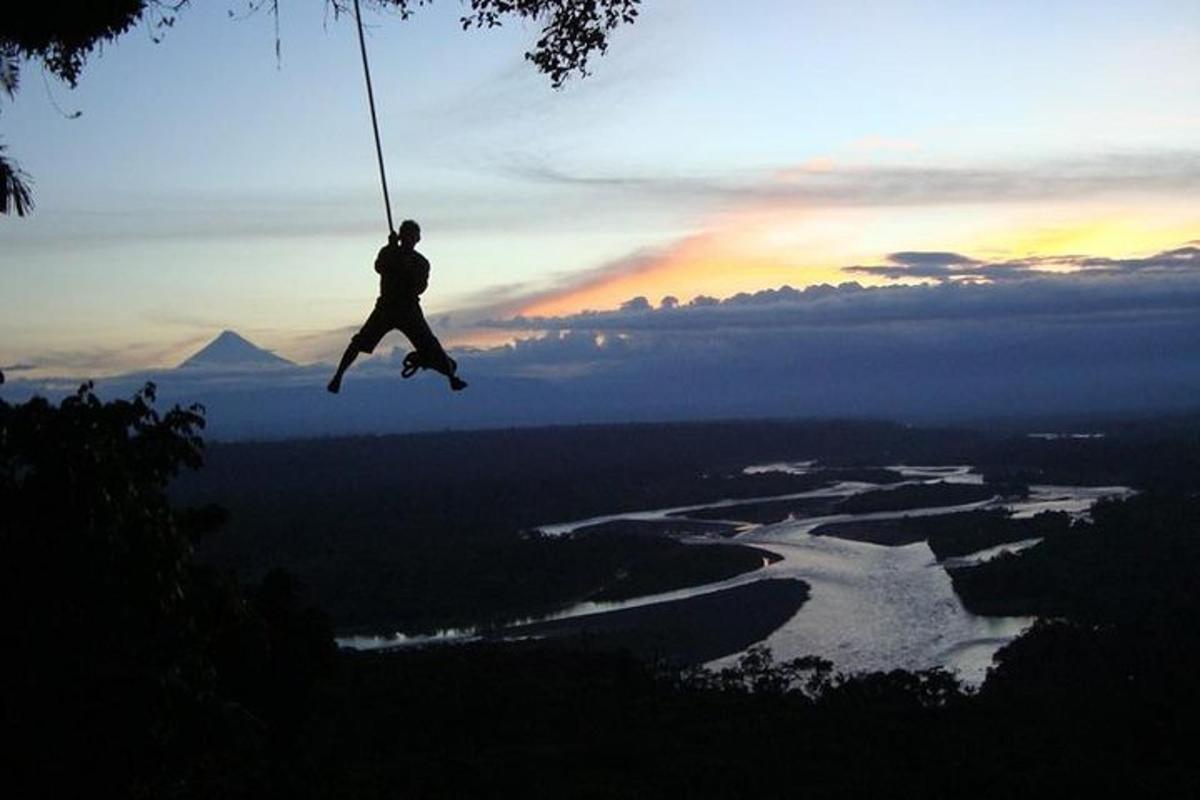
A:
[232, 350]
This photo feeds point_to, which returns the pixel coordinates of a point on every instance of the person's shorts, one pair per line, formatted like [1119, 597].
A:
[385, 318]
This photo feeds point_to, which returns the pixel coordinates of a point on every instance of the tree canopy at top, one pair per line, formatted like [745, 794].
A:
[62, 34]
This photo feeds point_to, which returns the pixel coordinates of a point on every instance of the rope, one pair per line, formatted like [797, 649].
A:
[362, 46]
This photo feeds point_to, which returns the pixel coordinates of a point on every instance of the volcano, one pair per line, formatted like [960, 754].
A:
[230, 350]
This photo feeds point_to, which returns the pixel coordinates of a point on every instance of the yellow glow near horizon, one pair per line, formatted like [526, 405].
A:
[1111, 237]
[769, 247]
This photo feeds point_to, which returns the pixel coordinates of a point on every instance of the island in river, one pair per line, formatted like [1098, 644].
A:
[951, 535]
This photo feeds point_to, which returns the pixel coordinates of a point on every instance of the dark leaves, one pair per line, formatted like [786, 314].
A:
[15, 195]
[63, 34]
[10, 70]
[572, 31]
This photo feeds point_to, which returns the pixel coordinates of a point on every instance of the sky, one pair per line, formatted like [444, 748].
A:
[719, 148]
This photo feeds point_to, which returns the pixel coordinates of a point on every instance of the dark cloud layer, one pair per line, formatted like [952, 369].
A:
[954, 267]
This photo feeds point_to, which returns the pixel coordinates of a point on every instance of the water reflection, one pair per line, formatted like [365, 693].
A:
[877, 608]
[872, 607]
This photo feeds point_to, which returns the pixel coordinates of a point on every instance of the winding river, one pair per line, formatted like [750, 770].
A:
[872, 607]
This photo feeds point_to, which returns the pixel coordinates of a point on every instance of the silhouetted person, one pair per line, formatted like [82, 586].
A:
[403, 276]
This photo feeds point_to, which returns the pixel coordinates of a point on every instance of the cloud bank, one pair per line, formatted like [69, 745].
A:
[962, 289]
[954, 267]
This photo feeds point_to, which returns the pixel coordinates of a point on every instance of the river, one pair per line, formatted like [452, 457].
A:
[872, 607]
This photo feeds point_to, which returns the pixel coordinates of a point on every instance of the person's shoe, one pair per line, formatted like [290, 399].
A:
[335, 385]
[457, 384]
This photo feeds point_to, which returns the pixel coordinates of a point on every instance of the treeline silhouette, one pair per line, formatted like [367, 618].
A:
[1131, 562]
[130, 669]
[134, 671]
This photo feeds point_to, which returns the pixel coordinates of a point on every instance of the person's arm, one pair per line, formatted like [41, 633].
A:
[386, 257]
[421, 276]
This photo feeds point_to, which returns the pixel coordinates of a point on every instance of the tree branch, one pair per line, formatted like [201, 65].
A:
[15, 195]
[572, 31]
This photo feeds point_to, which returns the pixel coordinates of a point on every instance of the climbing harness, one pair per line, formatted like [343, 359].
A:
[362, 46]
[414, 361]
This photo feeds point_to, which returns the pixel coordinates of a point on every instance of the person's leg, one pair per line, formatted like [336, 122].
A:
[365, 341]
[429, 349]
[335, 383]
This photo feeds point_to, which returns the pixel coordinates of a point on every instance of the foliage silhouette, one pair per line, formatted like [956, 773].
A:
[131, 670]
[15, 194]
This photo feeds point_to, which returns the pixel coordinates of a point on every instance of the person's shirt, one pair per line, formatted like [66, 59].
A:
[403, 274]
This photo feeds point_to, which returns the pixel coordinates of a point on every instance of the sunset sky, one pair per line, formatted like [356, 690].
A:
[718, 148]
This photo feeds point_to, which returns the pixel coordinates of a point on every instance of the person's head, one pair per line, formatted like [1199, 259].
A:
[410, 233]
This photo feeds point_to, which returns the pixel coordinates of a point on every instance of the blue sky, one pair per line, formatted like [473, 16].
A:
[206, 187]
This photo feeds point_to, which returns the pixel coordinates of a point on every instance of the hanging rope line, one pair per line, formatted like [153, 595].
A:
[362, 46]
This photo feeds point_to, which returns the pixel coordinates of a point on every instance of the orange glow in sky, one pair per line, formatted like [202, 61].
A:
[706, 264]
[770, 247]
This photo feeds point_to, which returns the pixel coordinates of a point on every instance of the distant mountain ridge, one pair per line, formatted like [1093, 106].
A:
[230, 349]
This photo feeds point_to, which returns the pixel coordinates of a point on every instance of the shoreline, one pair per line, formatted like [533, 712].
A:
[689, 631]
